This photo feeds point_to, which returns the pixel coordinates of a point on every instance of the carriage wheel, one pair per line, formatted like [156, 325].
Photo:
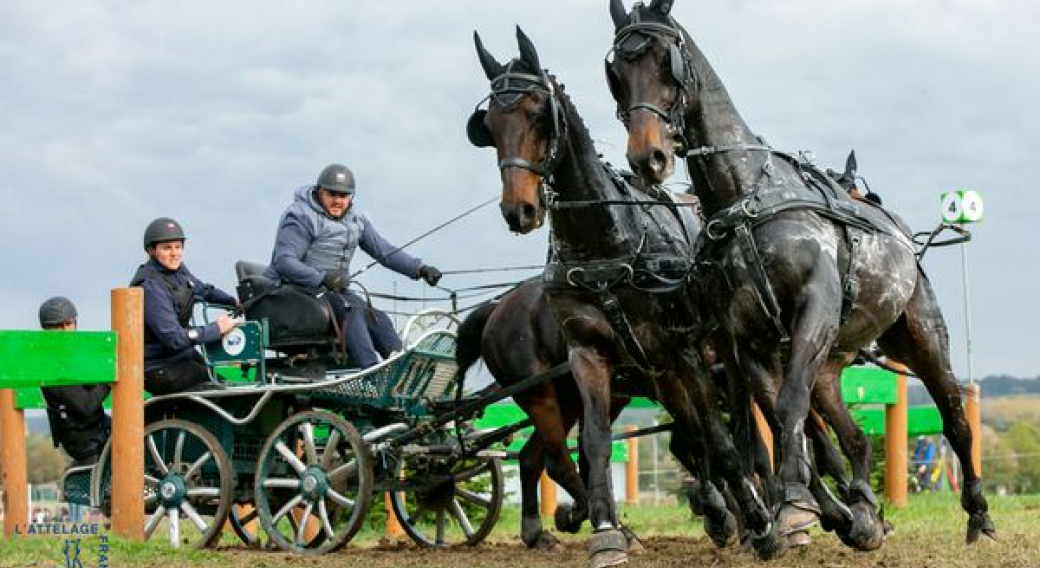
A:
[187, 483]
[313, 482]
[460, 507]
[244, 520]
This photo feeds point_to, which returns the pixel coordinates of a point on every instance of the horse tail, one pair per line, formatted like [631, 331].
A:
[469, 337]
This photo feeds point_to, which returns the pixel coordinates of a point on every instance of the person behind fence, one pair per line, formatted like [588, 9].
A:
[75, 413]
[924, 462]
[171, 362]
[317, 237]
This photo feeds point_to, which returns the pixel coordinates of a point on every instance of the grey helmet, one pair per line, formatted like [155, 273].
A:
[161, 230]
[337, 177]
[56, 311]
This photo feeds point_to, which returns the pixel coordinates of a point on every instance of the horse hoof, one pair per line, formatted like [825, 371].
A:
[980, 524]
[867, 532]
[793, 518]
[723, 532]
[635, 546]
[607, 548]
[566, 519]
[769, 546]
[799, 539]
[546, 542]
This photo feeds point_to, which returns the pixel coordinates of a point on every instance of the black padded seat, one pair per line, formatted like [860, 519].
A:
[297, 318]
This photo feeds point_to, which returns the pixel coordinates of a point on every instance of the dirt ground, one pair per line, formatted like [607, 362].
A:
[1013, 551]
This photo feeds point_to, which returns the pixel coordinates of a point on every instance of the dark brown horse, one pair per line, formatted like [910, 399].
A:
[617, 284]
[799, 276]
[517, 337]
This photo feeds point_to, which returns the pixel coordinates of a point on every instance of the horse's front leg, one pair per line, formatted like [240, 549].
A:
[812, 335]
[592, 372]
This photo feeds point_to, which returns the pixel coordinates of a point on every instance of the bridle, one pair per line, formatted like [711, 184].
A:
[507, 89]
[632, 41]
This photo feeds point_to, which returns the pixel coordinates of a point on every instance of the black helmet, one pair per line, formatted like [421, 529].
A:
[337, 177]
[161, 230]
[56, 311]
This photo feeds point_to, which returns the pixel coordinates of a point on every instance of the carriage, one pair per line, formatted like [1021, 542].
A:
[290, 436]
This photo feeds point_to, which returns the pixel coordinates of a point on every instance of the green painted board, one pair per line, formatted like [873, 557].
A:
[56, 358]
[868, 385]
[921, 420]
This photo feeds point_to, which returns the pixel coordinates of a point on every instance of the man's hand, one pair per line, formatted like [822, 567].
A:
[333, 281]
[226, 323]
[430, 274]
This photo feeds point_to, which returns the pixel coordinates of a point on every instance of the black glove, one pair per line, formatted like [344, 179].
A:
[333, 281]
[430, 274]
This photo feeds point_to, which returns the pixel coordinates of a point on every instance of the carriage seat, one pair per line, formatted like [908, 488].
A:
[298, 319]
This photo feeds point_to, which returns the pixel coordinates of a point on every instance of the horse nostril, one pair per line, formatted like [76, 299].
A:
[528, 212]
[659, 160]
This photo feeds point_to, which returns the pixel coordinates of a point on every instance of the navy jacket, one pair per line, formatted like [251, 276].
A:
[309, 242]
[165, 325]
[77, 419]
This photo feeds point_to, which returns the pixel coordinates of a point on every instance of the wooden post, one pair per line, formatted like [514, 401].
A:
[393, 526]
[973, 412]
[632, 468]
[128, 415]
[12, 461]
[548, 496]
[763, 430]
[895, 443]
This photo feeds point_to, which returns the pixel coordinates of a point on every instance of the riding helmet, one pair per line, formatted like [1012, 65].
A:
[56, 311]
[338, 178]
[161, 230]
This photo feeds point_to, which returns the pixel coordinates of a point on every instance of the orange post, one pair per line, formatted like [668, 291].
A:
[12, 462]
[763, 430]
[632, 468]
[393, 526]
[128, 415]
[973, 412]
[896, 433]
[548, 496]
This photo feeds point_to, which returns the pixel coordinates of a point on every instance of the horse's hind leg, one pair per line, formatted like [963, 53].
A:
[919, 340]
[531, 462]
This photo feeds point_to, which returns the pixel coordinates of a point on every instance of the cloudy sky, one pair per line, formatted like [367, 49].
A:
[113, 113]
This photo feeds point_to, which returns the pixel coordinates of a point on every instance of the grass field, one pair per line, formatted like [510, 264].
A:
[929, 532]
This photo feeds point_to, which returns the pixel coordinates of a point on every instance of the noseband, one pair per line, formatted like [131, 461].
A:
[632, 41]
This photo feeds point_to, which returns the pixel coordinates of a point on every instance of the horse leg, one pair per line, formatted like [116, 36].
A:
[866, 531]
[701, 413]
[919, 340]
[532, 462]
[812, 335]
[592, 372]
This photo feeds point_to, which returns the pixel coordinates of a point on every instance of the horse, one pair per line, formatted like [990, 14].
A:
[517, 337]
[799, 275]
[616, 284]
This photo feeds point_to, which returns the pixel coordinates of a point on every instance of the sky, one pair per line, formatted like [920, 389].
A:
[113, 113]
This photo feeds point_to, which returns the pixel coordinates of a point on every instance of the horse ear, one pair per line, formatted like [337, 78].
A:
[492, 68]
[528, 53]
[662, 6]
[478, 133]
[618, 14]
[850, 163]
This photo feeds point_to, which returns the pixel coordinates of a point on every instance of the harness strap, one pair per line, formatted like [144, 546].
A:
[621, 326]
[850, 289]
[763, 289]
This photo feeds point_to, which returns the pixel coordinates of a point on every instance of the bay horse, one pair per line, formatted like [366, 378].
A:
[799, 276]
[616, 284]
[518, 337]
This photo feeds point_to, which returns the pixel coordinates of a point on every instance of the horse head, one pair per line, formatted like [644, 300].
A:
[652, 79]
[523, 123]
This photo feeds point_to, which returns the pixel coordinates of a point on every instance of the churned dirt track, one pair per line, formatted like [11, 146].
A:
[1013, 551]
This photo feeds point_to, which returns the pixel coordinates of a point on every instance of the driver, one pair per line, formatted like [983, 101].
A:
[316, 240]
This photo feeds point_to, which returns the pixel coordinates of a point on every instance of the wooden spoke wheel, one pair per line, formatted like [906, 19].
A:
[187, 483]
[448, 504]
[313, 483]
